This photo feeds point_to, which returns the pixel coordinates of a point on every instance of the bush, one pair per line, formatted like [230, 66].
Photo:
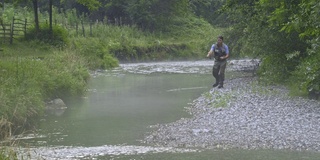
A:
[66, 75]
[20, 94]
[7, 153]
[58, 37]
[26, 83]
[274, 69]
[306, 77]
[96, 53]
[273, 47]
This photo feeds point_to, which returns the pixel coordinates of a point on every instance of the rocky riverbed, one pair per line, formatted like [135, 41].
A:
[244, 115]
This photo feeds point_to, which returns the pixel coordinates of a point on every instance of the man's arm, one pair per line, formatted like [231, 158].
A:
[211, 51]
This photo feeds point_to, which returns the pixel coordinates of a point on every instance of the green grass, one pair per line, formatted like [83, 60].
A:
[27, 82]
[26, 49]
[128, 43]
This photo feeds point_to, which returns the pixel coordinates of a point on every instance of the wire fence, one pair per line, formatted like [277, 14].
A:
[9, 32]
[19, 27]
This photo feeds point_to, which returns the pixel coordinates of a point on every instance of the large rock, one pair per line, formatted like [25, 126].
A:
[56, 107]
[314, 94]
[244, 64]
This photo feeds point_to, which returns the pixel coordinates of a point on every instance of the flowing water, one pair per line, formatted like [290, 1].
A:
[118, 110]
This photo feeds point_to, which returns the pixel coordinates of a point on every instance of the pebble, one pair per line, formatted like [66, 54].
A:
[244, 115]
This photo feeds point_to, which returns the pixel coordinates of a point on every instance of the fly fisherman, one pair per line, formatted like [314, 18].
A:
[220, 53]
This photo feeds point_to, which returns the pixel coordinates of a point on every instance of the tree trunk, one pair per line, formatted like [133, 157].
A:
[50, 16]
[36, 17]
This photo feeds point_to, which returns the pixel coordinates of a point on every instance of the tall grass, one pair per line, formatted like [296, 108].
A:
[7, 154]
[188, 38]
[128, 43]
[27, 82]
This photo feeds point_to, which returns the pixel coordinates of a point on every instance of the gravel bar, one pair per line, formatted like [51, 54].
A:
[244, 115]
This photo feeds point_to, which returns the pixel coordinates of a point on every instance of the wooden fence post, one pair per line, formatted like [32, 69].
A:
[77, 28]
[12, 30]
[90, 27]
[25, 28]
[4, 33]
[83, 31]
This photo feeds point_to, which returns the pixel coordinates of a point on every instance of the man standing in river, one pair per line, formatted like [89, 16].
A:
[220, 53]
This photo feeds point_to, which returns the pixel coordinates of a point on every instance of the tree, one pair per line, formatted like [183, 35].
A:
[50, 16]
[305, 20]
[35, 11]
[36, 17]
[286, 35]
[147, 14]
[209, 10]
[91, 4]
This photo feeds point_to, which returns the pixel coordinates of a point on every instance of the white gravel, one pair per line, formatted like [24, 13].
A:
[245, 115]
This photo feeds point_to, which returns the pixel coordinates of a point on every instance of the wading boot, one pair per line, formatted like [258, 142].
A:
[215, 85]
[220, 85]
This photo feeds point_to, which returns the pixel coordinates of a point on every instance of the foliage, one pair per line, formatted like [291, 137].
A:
[66, 75]
[16, 12]
[129, 43]
[20, 94]
[295, 15]
[306, 78]
[152, 15]
[7, 154]
[147, 15]
[57, 37]
[209, 10]
[27, 82]
[96, 53]
[277, 32]
[91, 4]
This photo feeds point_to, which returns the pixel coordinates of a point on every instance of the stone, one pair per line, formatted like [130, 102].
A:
[56, 107]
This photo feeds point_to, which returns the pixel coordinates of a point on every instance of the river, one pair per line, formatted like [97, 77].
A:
[115, 115]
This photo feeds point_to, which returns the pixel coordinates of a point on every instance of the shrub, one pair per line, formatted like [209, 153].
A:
[26, 83]
[58, 37]
[20, 94]
[306, 77]
[7, 153]
[66, 75]
[96, 53]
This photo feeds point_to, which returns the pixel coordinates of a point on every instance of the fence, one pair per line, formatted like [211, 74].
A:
[17, 28]
[85, 27]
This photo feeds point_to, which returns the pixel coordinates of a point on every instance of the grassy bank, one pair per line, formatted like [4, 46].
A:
[28, 82]
[129, 44]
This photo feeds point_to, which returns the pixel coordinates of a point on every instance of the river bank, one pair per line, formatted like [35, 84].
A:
[245, 115]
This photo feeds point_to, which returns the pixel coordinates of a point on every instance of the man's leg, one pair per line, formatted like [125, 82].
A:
[221, 74]
[215, 73]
